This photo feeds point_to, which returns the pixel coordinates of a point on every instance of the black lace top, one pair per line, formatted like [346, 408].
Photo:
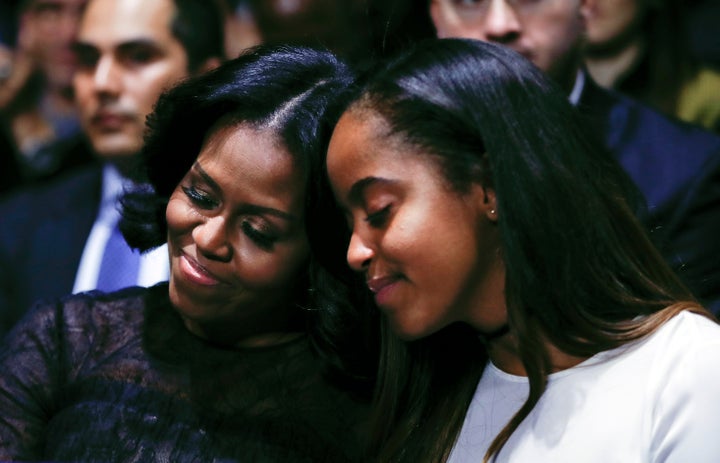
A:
[118, 378]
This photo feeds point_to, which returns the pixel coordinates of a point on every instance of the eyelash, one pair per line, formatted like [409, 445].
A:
[199, 199]
[377, 219]
[263, 240]
[137, 57]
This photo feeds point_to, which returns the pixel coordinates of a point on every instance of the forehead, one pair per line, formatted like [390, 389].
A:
[243, 158]
[355, 136]
[363, 145]
[108, 22]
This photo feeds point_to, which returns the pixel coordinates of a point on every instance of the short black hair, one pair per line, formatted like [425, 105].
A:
[296, 94]
[285, 90]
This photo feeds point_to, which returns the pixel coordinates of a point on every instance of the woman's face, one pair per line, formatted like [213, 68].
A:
[236, 234]
[431, 255]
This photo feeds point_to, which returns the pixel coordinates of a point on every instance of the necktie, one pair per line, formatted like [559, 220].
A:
[119, 265]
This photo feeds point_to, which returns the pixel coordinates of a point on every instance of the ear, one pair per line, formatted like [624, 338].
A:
[489, 204]
[208, 65]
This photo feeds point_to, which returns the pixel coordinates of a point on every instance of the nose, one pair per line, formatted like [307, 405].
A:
[106, 77]
[502, 23]
[211, 239]
[359, 254]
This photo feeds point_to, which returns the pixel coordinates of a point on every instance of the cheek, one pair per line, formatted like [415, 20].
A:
[147, 86]
[412, 239]
[434, 240]
[178, 216]
[279, 269]
[81, 88]
[558, 30]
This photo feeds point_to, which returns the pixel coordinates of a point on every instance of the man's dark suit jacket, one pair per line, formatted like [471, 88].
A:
[42, 238]
[677, 168]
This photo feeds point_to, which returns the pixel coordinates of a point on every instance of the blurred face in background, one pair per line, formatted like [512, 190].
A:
[126, 56]
[46, 32]
[547, 32]
[611, 23]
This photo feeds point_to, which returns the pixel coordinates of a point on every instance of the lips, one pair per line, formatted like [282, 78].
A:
[109, 120]
[382, 288]
[379, 283]
[196, 273]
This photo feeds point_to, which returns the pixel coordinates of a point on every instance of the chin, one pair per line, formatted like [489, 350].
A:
[411, 330]
[186, 307]
[110, 150]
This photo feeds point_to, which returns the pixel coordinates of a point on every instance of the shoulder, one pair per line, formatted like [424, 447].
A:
[82, 184]
[29, 209]
[685, 408]
[79, 322]
[685, 353]
[664, 156]
[629, 120]
[688, 331]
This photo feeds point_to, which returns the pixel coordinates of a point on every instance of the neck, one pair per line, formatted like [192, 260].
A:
[124, 164]
[504, 354]
[254, 330]
[608, 67]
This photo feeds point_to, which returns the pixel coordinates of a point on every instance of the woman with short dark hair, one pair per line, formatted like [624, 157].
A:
[227, 361]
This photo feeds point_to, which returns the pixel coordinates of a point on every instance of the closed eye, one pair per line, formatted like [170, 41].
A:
[378, 219]
[138, 53]
[262, 239]
[86, 56]
[198, 198]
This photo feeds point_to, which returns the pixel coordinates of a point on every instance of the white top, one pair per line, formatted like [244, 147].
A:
[154, 265]
[655, 401]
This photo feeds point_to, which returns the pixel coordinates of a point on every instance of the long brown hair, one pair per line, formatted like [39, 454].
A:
[581, 272]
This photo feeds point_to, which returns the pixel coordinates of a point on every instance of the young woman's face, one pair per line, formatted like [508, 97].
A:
[431, 255]
[236, 234]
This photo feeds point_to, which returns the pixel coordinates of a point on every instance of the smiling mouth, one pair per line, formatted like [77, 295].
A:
[196, 273]
[376, 285]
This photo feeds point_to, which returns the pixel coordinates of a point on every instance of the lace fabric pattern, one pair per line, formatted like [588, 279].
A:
[118, 378]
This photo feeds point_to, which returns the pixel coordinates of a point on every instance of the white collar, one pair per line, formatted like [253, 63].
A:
[577, 88]
[113, 186]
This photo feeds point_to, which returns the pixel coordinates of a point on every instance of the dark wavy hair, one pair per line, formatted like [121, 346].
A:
[294, 93]
[581, 271]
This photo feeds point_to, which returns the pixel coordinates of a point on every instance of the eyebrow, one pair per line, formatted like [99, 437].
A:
[138, 43]
[123, 47]
[357, 190]
[251, 208]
